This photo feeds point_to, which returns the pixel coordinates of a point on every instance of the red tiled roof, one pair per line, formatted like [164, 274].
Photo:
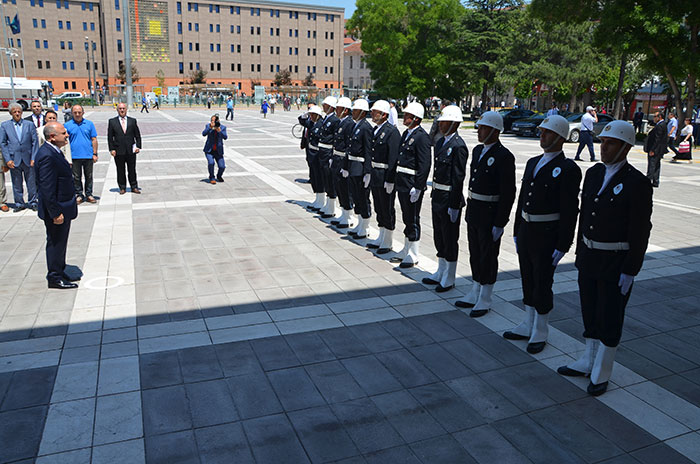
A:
[355, 47]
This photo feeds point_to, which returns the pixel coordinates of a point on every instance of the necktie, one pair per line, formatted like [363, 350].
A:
[38, 121]
[123, 122]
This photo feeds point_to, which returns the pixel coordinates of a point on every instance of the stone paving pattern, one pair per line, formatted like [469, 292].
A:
[228, 324]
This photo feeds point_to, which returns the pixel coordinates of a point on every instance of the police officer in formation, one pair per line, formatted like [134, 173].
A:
[490, 198]
[357, 167]
[613, 234]
[447, 199]
[545, 223]
[341, 142]
[325, 150]
[385, 152]
[312, 121]
[412, 171]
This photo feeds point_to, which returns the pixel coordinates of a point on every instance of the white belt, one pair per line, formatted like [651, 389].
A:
[443, 187]
[403, 170]
[607, 246]
[313, 147]
[477, 196]
[339, 153]
[325, 145]
[359, 159]
[540, 217]
[380, 165]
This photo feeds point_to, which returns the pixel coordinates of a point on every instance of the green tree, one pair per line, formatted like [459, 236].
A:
[198, 77]
[309, 80]
[283, 77]
[121, 74]
[160, 78]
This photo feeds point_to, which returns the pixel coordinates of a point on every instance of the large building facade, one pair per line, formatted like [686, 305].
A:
[238, 43]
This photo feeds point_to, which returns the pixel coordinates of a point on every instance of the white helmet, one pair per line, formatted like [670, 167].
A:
[360, 104]
[344, 102]
[557, 124]
[451, 113]
[315, 109]
[491, 119]
[416, 109]
[621, 130]
[330, 101]
[382, 105]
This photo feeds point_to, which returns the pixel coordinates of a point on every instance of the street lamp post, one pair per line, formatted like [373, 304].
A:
[8, 53]
[89, 65]
[93, 65]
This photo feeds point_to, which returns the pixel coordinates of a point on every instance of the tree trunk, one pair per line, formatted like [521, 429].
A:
[620, 83]
[672, 82]
[692, 76]
[572, 100]
[484, 96]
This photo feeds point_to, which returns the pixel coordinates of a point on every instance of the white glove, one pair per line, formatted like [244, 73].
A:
[496, 233]
[330, 163]
[515, 240]
[556, 257]
[344, 173]
[366, 179]
[388, 187]
[454, 214]
[625, 283]
[414, 195]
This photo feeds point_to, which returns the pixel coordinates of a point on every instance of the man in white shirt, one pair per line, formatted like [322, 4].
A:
[586, 133]
[393, 114]
[553, 110]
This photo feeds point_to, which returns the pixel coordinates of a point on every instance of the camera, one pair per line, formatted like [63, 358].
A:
[217, 122]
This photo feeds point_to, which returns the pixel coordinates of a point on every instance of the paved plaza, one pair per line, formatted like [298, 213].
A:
[227, 324]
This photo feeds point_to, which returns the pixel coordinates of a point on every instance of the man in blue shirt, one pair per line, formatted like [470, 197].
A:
[586, 133]
[83, 144]
[672, 128]
[229, 108]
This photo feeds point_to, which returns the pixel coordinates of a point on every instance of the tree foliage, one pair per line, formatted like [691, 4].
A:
[160, 78]
[309, 80]
[283, 77]
[198, 77]
[121, 74]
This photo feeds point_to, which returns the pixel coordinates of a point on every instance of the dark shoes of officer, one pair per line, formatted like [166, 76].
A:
[62, 284]
[536, 347]
[478, 312]
[312, 208]
[383, 251]
[429, 281]
[508, 335]
[441, 289]
[406, 265]
[464, 304]
[597, 390]
[569, 372]
[372, 245]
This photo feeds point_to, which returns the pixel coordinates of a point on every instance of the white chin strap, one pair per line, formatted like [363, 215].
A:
[616, 159]
[547, 149]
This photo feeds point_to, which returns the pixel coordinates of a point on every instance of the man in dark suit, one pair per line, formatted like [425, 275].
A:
[656, 146]
[57, 205]
[124, 140]
[37, 116]
[19, 144]
[637, 120]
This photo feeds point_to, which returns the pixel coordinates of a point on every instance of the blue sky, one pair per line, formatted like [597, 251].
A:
[349, 5]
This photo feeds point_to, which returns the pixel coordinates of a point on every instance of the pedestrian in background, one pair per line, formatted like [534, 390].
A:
[655, 146]
[264, 107]
[144, 104]
[229, 108]
[52, 116]
[586, 133]
[19, 145]
[553, 110]
[67, 111]
[83, 143]
[215, 133]
[672, 127]
[637, 120]
[685, 143]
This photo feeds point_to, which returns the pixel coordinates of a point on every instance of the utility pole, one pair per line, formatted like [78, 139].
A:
[8, 52]
[127, 53]
[93, 64]
[89, 65]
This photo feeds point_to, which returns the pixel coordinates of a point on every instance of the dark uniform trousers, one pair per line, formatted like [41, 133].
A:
[415, 156]
[450, 170]
[385, 150]
[326, 135]
[553, 190]
[492, 175]
[621, 212]
[56, 245]
[343, 137]
[359, 148]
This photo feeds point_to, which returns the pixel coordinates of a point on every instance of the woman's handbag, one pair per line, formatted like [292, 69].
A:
[684, 147]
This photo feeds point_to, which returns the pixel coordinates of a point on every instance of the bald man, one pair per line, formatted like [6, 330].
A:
[124, 140]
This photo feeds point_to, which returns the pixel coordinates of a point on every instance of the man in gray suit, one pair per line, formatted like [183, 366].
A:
[19, 144]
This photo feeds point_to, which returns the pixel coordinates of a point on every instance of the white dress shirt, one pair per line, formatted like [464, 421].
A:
[610, 171]
[546, 158]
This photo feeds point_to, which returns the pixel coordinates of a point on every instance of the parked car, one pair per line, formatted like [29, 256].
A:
[575, 125]
[511, 115]
[527, 127]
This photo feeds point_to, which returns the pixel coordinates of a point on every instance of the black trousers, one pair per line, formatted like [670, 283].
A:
[384, 207]
[342, 187]
[585, 140]
[315, 175]
[672, 145]
[126, 163]
[445, 233]
[326, 173]
[535, 248]
[654, 169]
[229, 111]
[360, 196]
[603, 308]
[483, 254]
[82, 167]
[410, 213]
[56, 244]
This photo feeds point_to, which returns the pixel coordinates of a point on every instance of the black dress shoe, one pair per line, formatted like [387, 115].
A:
[359, 237]
[326, 216]
[395, 259]
[534, 348]
[593, 160]
[429, 281]
[335, 222]
[597, 390]
[464, 304]
[17, 209]
[441, 289]
[342, 226]
[219, 179]
[372, 245]
[406, 265]
[569, 372]
[508, 335]
[68, 278]
[478, 312]
[383, 251]
[62, 284]
[577, 159]
[313, 208]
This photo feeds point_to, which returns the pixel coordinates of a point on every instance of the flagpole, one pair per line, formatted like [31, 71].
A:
[24, 64]
[7, 51]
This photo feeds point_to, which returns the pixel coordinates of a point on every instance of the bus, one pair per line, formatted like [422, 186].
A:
[26, 91]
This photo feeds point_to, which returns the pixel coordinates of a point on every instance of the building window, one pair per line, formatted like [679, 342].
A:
[218, 47]
[181, 68]
[218, 68]
[65, 5]
[238, 29]
[196, 47]
[296, 51]
[211, 66]
[196, 27]
[70, 45]
[116, 4]
[179, 28]
[178, 5]
[190, 46]
[218, 27]
[40, 65]
[211, 27]
[68, 25]
[257, 30]
[64, 65]
[118, 23]
[238, 48]
[92, 26]
[63, 45]
[296, 32]
[252, 49]
[211, 48]
[272, 68]
[233, 49]
[296, 68]
[119, 45]
[189, 26]
[46, 44]
[60, 24]
[331, 69]
[179, 48]
[72, 85]
[65, 85]
[37, 43]
[84, 26]
[252, 30]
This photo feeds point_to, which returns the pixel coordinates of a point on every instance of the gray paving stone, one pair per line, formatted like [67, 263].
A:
[526, 395]
[375, 337]
[446, 407]
[436, 328]
[368, 428]
[309, 348]
[237, 358]
[483, 398]
[126, 452]
[681, 386]
[371, 375]
[486, 445]
[159, 414]
[274, 353]
[402, 454]
[462, 323]
[406, 368]
[118, 375]
[159, 369]
[660, 452]
[406, 333]
[210, 403]
[334, 382]
[295, 389]
[444, 449]
[322, 435]
[343, 343]
[440, 362]
[118, 418]
[174, 447]
[29, 388]
[404, 413]
[215, 450]
[253, 395]
[68, 426]
[81, 456]
[200, 363]
[20, 433]
[272, 439]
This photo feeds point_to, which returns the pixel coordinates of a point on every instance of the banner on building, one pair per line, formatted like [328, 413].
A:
[149, 31]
